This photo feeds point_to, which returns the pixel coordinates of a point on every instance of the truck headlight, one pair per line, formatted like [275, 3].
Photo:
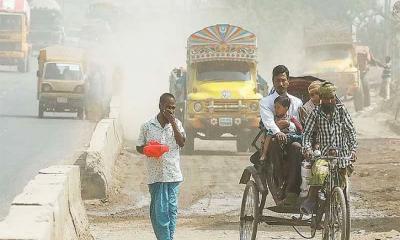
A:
[79, 89]
[197, 107]
[46, 88]
[254, 107]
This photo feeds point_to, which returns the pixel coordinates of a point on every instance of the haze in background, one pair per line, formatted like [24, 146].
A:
[155, 42]
[153, 34]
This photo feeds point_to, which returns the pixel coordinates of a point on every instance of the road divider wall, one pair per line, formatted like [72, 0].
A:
[105, 147]
[49, 208]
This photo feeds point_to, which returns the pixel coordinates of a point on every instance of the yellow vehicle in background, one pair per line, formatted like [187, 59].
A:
[14, 30]
[61, 80]
[331, 54]
[220, 98]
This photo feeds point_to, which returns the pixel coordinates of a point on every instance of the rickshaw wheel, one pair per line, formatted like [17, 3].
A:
[317, 217]
[336, 217]
[249, 212]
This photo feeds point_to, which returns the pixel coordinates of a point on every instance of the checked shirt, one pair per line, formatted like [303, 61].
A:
[339, 132]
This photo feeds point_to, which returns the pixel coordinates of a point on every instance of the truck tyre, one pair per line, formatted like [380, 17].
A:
[358, 99]
[80, 113]
[188, 149]
[40, 110]
[366, 92]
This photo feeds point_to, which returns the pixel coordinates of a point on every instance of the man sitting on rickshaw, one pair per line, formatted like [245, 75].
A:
[331, 124]
[293, 156]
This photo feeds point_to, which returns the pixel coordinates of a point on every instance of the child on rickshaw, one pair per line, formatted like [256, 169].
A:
[293, 131]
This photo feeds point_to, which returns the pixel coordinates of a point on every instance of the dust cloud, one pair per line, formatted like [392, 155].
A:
[153, 42]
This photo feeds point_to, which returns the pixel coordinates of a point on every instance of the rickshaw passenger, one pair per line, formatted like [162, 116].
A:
[308, 107]
[334, 129]
[282, 104]
[280, 78]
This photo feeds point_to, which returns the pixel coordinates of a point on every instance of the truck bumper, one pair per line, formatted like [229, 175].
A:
[212, 127]
[57, 102]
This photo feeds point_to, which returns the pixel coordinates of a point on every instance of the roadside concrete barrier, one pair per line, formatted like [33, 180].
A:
[49, 208]
[105, 147]
[114, 107]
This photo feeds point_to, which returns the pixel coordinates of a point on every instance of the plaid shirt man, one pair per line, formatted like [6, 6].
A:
[339, 132]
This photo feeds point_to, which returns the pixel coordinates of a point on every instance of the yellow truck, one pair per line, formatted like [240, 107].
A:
[61, 80]
[331, 54]
[220, 98]
[14, 31]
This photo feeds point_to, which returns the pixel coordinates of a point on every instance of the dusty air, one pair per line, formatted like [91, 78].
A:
[199, 119]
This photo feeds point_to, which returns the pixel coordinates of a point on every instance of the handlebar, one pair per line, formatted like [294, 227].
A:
[332, 158]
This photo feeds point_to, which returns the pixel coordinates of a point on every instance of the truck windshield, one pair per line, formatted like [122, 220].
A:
[326, 53]
[223, 71]
[10, 22]
[62, 71]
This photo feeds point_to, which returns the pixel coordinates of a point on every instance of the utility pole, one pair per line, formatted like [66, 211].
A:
[388, 37]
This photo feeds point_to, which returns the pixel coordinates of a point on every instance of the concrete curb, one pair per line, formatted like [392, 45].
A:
[105, 147]
[49, 208]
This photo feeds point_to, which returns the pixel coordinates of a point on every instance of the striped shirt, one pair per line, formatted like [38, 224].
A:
[339, 132]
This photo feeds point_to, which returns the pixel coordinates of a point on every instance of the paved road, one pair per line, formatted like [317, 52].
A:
[27, 143]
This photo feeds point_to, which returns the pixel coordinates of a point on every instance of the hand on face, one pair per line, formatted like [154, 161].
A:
[167, 109]
[169, 115]
[282, 124]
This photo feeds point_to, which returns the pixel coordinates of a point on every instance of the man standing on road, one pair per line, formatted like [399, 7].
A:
[164, 173]
[334, 128]
[386, 78]
[280, 78]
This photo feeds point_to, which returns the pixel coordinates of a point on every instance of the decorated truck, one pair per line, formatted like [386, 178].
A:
[331, 54]
[47, 24]
[218, 93]
[14, 31]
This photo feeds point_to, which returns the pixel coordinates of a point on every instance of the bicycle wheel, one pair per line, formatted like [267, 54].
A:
[249, 212]
[348, 216]
[336, 216]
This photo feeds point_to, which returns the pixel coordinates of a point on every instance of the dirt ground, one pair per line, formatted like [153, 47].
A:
[210, 195]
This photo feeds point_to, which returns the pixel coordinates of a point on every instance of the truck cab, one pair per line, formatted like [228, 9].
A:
[330, 54]
[61, 80]
[14, 30]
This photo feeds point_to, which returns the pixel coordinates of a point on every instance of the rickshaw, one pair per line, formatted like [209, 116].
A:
[332, 212]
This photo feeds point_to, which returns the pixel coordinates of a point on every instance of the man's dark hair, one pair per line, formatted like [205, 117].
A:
[166, 96]
[279, 70]
[284, 100]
